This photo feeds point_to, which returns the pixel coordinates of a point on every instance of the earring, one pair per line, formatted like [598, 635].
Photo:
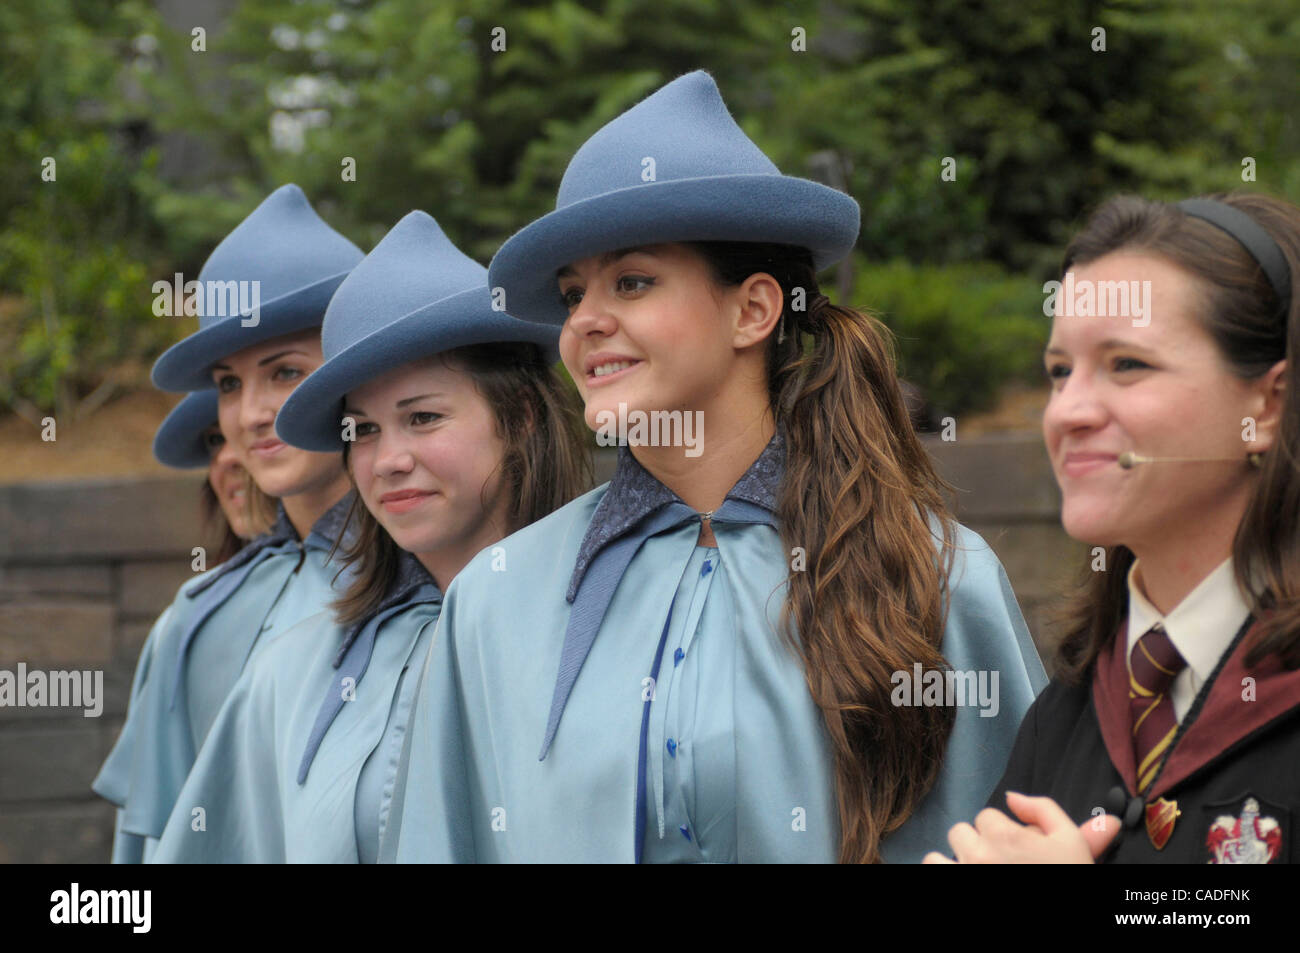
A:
[1256, 460]
[780, 337]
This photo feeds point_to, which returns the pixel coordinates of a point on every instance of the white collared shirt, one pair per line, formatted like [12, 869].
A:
[1201, 627]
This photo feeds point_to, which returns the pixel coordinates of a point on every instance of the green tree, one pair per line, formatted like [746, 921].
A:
[73, 252]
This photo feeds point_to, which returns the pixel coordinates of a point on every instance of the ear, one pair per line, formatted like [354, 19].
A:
[759, 302]
[1271, 398]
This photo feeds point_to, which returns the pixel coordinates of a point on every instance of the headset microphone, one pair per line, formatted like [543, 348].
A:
[1128, 460]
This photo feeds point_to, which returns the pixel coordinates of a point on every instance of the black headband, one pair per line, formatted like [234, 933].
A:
[1252, 237]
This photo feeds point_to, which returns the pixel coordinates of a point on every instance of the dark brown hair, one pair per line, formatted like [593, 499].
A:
[545, 464]
[1242, 314]
[858, 496]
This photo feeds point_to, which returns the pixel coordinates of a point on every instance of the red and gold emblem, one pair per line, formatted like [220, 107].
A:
[1161, 815]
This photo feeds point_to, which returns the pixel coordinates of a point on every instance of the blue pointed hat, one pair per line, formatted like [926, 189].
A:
[674, 167]
[415, 295]
[297, 261]
[180, 441]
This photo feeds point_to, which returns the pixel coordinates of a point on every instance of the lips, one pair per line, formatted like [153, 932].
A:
[605, 366]
[598, 358]
[400, 501]
[1078, 463]
[266, 448]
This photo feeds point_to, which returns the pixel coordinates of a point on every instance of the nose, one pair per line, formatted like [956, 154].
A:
[392, 454]
[592, 316]
[1076, 405]
[256, 409]
[224, 460]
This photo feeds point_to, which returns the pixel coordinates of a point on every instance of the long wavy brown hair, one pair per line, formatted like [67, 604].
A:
[858, 495]
[1253, 330]
[538, 417]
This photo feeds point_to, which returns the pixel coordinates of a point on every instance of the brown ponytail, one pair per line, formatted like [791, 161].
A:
[859, 495]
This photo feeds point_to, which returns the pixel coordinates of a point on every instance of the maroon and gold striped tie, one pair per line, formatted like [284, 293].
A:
[1152, 666]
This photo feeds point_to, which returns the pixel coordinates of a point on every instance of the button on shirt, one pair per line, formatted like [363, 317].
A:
[1201, 626]
[692, 769]
[737, 762]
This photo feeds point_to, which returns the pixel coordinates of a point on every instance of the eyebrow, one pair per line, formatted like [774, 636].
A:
[609, 257]
[264, 361]
[412, 400]
[401, 403]
[1109, 343]
[276, 357]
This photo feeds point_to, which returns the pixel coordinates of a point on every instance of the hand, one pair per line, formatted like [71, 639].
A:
[1048, 836]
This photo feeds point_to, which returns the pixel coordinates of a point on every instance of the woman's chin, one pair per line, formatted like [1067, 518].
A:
[280, 485]
[602, 412]
[1092, 528]
[415, 539]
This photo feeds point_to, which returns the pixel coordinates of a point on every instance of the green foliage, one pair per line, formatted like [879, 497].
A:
[961, 331]
[434, 116]
[73, 278]
[1042, 126]
[162, 148]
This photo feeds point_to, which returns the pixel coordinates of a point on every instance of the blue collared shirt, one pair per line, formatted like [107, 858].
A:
[279, 783]
[737, 763]
[193, 658]
[258, 808]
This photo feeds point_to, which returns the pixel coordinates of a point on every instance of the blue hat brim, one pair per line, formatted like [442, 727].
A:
[754, 208]
[187, 364]
[179, 440]
[311, 417]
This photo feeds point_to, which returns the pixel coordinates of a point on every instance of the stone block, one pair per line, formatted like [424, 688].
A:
[56, 634]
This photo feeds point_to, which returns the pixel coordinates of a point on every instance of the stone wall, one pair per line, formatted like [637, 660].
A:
[85, 568]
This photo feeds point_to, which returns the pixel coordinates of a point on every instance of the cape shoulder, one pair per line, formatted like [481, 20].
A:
[977, 581]
[540, 557]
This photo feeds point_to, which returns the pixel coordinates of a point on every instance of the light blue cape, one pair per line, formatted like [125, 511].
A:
[187, 668]
[472, 788]
[243, 802]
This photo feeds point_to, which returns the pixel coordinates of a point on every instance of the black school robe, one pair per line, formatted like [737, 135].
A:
[1234, 774]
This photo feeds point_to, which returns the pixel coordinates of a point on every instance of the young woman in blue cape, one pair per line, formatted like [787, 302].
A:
[1170, 732]
[711, 657]
[261, 298]
[234, 511]
[456, 432]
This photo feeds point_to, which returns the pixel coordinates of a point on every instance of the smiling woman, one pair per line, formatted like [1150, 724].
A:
[199, 645]
[440, 496]
[457, 432]
[232, 502]
[252, 384]
[693, 662]
[234, 509]
[1175, 442]
[487, 433]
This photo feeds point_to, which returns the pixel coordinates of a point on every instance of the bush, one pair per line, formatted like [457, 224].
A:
[75, 319]
[962, 331]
